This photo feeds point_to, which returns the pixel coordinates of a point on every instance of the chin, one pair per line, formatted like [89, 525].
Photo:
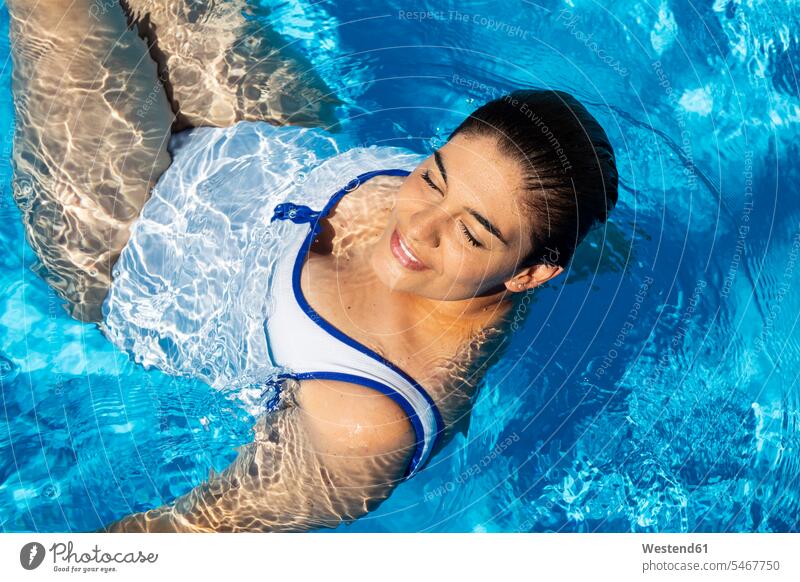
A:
[387, 269]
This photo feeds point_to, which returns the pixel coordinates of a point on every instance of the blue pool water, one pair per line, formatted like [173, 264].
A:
[655, 388]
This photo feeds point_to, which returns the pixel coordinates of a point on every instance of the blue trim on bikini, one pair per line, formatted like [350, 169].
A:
[300, 213]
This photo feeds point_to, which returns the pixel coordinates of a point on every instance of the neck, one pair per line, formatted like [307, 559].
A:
[472, 315]
[469, 315]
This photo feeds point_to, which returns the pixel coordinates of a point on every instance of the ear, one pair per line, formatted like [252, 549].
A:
[534, 276]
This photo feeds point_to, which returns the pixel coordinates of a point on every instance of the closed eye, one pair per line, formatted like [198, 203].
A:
[467, 234]
[472, 240]
[426, 175]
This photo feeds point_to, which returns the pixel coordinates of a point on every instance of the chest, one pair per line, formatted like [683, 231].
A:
[353, 302]
[441, 364]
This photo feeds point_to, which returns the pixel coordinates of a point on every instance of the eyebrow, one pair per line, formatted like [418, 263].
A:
[438, 157]
[488, 225]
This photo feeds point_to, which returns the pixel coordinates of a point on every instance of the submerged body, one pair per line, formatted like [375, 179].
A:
[204, 287]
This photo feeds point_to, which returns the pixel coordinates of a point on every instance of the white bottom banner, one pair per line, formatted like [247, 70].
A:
[388, 557]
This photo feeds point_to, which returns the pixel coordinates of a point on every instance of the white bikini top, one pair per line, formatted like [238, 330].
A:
[302, 340]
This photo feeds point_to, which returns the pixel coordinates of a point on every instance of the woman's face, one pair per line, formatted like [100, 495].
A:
[456, 230]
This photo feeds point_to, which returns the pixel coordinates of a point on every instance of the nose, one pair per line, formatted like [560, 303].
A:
[426, 226]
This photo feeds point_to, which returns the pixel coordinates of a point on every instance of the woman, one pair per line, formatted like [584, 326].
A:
[394, 291]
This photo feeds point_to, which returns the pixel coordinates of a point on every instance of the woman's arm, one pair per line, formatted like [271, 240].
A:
[332, 455]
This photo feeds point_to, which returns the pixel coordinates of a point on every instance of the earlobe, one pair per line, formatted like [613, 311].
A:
[515, 286]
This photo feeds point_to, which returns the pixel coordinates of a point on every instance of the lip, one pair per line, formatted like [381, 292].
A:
[404, 254]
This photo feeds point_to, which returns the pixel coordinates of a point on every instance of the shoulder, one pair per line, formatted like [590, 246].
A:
[373, 196]
[358, 217]
[345, 420]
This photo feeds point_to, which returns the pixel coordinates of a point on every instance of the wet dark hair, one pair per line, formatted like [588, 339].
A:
[569, 167]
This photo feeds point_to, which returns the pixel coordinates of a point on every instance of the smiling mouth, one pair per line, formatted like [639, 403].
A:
[403, 253]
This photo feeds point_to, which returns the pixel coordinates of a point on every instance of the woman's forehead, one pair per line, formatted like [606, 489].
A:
[477, 164]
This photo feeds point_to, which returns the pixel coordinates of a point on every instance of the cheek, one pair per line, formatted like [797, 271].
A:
[480, 272]
[406, 199]
[464, 268]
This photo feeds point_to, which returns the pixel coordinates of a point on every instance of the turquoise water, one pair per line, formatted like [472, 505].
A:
[654, 388]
